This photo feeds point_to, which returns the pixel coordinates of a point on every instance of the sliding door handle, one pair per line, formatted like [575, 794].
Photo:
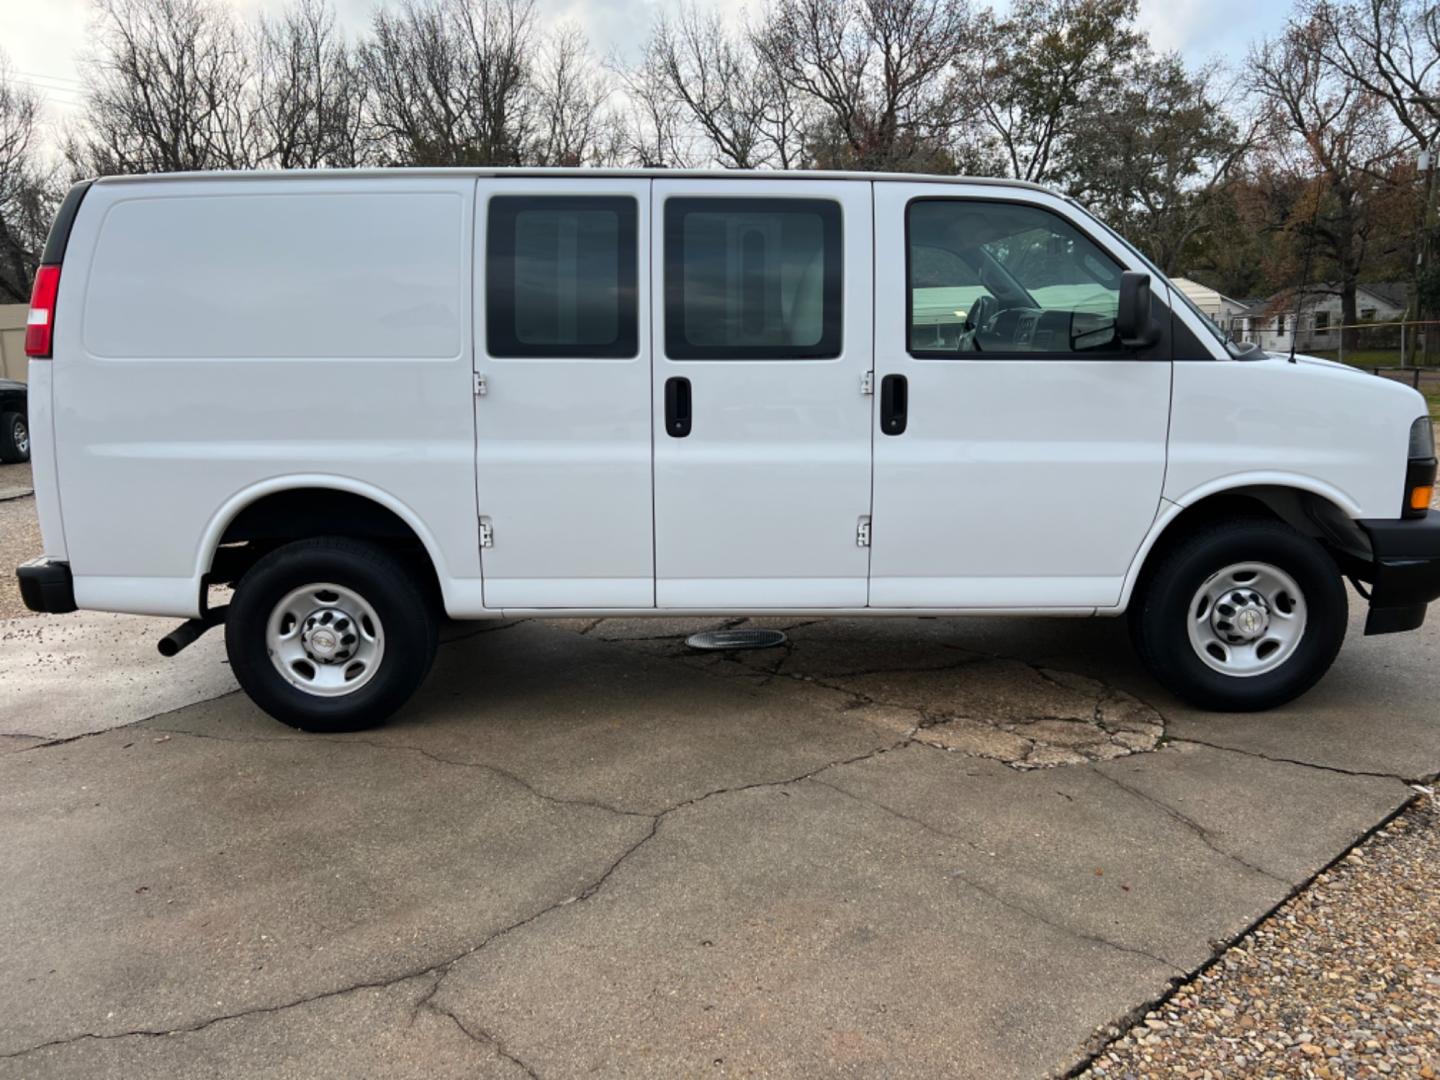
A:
[894, 404]
[677, 407]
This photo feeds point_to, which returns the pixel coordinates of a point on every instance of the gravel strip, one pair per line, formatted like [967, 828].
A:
[1342, 981]
[19, 540]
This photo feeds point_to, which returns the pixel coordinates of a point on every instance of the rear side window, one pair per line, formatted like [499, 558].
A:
[288, 274]
[560, 276]
[752, 279]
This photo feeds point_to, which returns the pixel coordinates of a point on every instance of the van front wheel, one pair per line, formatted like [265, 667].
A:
[330, 634]
[1240, 616]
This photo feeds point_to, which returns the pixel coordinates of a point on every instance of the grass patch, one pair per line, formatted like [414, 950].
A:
[1363, 358]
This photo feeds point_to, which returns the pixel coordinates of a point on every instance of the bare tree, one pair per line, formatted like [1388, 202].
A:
[449, 82]
[27, 189]
[310, 93]
[880, 75]
[650, 127]
[167, 89]
[571, 93]
[728, 89]
[1388, 48]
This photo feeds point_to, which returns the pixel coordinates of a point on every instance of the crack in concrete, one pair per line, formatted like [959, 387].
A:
[994, 895]
[44, 742]
[1427, 778]
[47, 743]
[1110, 744]
[461, 763]
[1205, 836]
[443, 968]
[1106, 1035]
[485, 1038]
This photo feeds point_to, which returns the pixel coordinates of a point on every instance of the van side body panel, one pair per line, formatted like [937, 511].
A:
[218, 337]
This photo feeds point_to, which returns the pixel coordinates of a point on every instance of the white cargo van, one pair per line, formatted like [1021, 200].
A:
[370, 399]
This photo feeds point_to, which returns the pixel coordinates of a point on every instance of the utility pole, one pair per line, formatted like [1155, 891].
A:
[1422, 256]
[1426, 164]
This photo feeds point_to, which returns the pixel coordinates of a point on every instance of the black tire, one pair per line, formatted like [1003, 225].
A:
[14, 438]
[391, 585]
[1161, 609]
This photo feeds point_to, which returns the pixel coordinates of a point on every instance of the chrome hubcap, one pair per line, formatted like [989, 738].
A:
[325, 639]
[1247, 620]
[22, 437]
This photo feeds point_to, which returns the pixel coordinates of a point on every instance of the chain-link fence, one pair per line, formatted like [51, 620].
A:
[1400, 344]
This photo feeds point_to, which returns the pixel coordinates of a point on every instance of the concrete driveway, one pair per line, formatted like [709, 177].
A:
[918, 847]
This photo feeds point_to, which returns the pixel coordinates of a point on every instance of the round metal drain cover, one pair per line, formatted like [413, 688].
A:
[736, 639]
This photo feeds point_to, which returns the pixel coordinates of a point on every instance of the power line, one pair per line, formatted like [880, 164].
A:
[50, 78]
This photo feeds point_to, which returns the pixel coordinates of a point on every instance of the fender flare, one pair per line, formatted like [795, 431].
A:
[1170, 509]
[220, 520]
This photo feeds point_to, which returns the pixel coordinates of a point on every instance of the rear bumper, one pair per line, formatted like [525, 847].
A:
[46, 586]
[1404, 574]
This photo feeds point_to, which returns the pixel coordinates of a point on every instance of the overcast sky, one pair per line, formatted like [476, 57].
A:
[44, 37]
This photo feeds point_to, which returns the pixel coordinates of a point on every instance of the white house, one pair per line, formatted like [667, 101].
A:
[1220, 309]
[1272, 323]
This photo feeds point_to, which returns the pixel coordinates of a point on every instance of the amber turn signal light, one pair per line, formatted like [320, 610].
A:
[1421, 497]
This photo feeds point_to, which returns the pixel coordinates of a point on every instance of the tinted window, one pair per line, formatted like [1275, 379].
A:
[560, 277]
[752, 279]
[1003, 278]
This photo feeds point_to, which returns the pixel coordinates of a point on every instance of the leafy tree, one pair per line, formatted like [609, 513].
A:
[1038, 73]
[1153, 155]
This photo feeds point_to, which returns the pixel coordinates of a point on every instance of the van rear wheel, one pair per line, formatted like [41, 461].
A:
[1240, 616]
[330, 634]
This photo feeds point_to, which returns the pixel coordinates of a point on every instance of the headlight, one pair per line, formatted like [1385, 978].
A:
[1422, 439]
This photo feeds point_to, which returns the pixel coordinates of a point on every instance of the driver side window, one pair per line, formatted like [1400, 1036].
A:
[991, 278]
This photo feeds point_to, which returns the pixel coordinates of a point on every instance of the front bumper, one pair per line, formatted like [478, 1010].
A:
[1404, 574]
[46, 586]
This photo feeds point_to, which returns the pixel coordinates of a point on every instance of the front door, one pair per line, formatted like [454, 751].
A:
[1023, 463]
[762, 337]
[562, 417]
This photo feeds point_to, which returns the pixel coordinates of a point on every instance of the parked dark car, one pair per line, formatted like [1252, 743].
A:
[14, 423]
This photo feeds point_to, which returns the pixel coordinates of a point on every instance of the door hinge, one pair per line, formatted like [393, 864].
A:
[487, 533]
[867, 383]
[862, 532]
[480, 386]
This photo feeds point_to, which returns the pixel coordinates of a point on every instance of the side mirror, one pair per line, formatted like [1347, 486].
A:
[1134, 325]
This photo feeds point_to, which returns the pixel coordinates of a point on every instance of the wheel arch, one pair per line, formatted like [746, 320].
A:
[287, 508]
[1313, 509]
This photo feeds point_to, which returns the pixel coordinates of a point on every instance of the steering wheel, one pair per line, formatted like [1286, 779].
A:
[985, 308]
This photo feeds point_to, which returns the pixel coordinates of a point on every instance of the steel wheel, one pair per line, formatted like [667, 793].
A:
[21, 436]
[1247, 620]
[325, 639]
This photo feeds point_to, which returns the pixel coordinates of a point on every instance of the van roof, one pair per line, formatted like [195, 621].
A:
[657, 174]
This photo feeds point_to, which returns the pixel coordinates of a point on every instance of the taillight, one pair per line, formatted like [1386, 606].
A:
[40, 325]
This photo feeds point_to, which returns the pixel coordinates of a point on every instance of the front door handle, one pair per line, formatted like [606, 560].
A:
[894, 404]
[677, 407]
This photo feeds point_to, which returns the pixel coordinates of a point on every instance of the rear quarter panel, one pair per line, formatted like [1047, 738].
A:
[217, 337]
